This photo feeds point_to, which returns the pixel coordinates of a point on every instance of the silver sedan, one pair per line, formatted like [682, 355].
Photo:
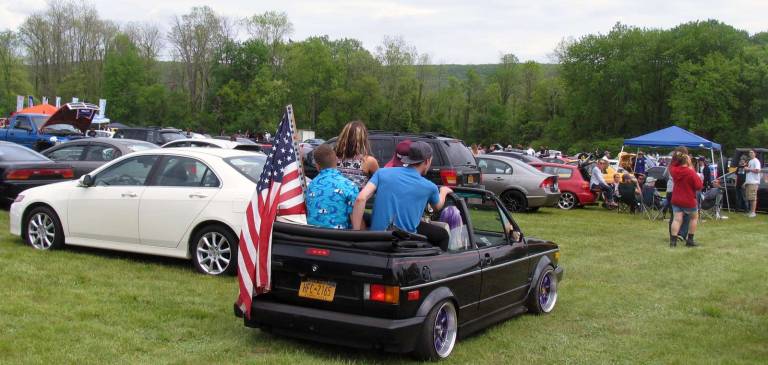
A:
[520, 186]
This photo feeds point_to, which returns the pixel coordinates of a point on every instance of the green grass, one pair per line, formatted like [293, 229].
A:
[626, 298]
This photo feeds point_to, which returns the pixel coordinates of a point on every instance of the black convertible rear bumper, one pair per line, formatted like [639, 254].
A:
[395, 335]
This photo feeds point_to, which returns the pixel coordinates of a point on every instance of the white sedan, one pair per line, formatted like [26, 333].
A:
[177, 202]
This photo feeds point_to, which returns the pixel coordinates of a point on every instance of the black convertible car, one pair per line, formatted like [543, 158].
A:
[398, 291]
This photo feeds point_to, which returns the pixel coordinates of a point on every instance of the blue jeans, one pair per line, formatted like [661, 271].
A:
[607, 191]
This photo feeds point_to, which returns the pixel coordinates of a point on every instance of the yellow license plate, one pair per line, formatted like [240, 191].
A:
[320, 290]
[471, 179]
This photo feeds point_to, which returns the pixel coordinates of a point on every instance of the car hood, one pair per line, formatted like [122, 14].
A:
[78, 115]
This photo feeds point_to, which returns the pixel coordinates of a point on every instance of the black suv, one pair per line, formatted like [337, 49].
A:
[452, 162]
[158, 136]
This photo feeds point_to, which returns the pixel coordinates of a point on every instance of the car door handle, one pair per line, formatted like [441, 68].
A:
[129, 195]
[488, 260]
[197, 195]
[498, 178]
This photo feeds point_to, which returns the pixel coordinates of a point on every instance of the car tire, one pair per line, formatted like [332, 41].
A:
[514, 201]
[438, 333]
[214, 250]
[42, 229]
[567, 201]
[543, 297]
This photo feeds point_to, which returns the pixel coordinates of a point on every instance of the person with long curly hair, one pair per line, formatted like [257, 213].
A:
[684, 200]
[355, 159]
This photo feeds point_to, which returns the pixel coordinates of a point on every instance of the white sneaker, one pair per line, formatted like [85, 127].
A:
[751, 215]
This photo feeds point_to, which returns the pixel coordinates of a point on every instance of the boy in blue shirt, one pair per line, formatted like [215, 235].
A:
[330, 196]
[402, 193]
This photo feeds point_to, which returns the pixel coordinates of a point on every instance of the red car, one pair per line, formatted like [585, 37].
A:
[574, 185]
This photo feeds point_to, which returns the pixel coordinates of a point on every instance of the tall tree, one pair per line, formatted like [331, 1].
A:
[124, 78]
[195, 38]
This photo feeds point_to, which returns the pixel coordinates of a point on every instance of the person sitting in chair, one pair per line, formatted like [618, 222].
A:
[651, 196]
[630, 192]
[402, 193]
[597, 182]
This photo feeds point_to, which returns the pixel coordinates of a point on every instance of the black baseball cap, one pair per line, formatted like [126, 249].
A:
[417, 153]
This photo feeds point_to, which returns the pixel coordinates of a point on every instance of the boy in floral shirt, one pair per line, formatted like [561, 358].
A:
[330, 195]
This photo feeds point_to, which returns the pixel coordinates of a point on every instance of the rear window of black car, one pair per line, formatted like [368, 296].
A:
[19, 153]
[458, 154]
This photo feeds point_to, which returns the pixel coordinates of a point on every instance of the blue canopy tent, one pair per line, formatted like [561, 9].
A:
[675, 136]
[672, 137]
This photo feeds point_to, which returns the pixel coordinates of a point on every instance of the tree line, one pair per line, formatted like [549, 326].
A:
[706, 76]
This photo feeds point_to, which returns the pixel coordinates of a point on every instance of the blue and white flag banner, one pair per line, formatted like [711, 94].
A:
[102, 107]
[75, 100]
[19, 102]
[58, 102]
[31, 101]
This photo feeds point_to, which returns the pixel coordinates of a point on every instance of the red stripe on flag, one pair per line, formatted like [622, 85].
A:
[298, 209]
[290, 194]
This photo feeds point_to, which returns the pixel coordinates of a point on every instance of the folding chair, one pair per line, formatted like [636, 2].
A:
[711, 204]
[627, 198]
[651, 202]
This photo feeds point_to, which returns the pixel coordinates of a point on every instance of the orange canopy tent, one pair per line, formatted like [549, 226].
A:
[46, 109]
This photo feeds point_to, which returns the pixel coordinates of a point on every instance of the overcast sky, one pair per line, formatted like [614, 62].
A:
[451, 31]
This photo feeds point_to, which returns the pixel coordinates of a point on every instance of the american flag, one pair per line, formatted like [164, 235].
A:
[279, 192]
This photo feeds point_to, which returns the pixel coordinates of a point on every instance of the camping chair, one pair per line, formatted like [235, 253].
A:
[711, 203]
[627, 199]
[651, 202]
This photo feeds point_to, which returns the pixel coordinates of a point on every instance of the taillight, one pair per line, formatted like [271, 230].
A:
[27, 174]
[448, 177]
[585, 185]
[381, 293]
[317, 252]
[547, 183]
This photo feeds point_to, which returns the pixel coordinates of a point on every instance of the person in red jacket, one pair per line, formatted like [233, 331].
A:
[687, 185]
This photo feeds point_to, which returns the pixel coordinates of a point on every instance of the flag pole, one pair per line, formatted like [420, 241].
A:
[296, 141]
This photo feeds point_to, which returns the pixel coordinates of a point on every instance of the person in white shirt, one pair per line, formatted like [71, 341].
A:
[530, 151]
[751, 182]
[597, 182]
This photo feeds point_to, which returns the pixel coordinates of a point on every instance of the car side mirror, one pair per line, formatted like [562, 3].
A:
[86, 181]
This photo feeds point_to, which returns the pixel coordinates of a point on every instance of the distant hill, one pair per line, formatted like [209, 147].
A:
[487, 70]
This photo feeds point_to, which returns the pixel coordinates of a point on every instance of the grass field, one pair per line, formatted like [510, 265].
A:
[627, 298]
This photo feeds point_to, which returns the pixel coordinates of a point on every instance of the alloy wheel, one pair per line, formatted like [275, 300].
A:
[548, 292]
[214, 253]
[41, 231]
[567, 201]
[444, 330]
[513, 203]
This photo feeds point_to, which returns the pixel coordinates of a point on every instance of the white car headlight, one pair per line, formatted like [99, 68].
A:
[19, 198]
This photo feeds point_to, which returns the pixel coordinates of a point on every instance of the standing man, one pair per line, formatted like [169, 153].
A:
[751, 182]
[640, 162]
[741, 178]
